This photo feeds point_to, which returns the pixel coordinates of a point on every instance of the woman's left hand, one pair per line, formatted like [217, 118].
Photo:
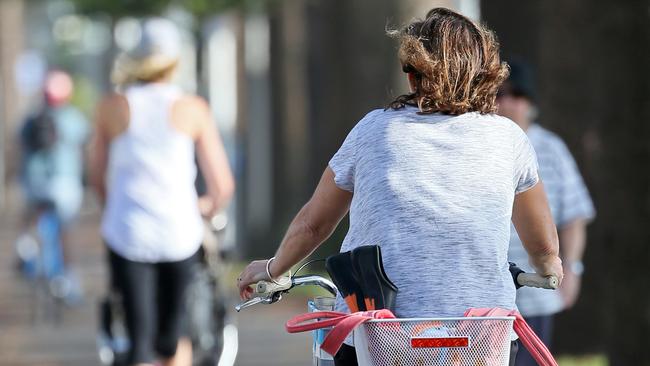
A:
[253, 273]
[206, 206]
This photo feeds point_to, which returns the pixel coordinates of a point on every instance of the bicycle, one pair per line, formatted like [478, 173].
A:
[482, 340]
[212, 328]
[41, 261]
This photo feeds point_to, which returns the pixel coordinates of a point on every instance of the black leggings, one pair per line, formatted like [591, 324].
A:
[347, 356]
[153, 296]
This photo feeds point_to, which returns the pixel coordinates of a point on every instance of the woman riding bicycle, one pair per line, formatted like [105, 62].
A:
[145, 145]
[435, 180]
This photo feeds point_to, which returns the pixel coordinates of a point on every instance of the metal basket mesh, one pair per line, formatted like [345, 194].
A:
[389, 343]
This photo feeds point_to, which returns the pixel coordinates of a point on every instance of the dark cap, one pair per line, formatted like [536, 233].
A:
[520, 82]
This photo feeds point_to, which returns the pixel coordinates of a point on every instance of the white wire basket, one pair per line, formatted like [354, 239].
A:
[473, 341]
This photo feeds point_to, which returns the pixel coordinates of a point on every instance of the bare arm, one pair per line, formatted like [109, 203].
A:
[532, 218]
[211, 157]
[312, 226]
[573, 237]
[99, 152]
[216, 169]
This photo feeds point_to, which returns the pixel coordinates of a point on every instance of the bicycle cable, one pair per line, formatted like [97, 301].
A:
[306, 264]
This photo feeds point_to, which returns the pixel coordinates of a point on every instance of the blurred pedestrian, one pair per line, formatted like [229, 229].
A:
[144, 172]
[52, 142]
[568, 198]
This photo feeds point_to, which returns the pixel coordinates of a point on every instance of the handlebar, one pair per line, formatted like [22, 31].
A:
[522, 278]
[536, 280]
[266, 288]
[269, 292]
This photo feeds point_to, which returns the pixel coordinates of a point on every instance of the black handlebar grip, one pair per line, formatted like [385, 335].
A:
[515, 272]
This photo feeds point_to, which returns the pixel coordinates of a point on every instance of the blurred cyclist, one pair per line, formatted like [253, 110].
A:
[569, 201]
[144, 172]
[52, 167]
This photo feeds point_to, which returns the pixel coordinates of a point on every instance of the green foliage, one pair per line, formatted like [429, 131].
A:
[596, 360]
[86, 95]
[198, 8]
[202, 8]
[120, 8]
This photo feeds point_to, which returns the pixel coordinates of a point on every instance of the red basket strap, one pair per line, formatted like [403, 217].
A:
[298, 323]
[343, 324]
[529, 339]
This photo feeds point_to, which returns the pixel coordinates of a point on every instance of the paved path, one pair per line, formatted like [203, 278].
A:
[263, 340]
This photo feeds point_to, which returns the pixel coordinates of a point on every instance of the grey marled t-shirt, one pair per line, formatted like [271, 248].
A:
[436, 193]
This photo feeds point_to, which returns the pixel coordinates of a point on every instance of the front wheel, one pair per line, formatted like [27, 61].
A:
[212, 330]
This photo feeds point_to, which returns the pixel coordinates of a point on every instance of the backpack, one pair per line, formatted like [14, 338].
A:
[40, 132]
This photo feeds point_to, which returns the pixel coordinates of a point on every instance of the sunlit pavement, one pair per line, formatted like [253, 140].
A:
[263, 340]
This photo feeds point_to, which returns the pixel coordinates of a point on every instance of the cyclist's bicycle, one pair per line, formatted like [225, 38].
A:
[212, 326]
[475, 340]
[41, 261]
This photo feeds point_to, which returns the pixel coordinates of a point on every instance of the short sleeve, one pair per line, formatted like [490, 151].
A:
[343, 163]
[574, 200]
[526, 173]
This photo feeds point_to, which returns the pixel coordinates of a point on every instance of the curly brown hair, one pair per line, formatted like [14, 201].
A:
[455, 64]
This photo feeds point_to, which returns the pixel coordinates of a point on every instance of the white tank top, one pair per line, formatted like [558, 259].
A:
[152, 211]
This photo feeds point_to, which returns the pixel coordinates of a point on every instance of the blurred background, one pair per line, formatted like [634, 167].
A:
[287, 80]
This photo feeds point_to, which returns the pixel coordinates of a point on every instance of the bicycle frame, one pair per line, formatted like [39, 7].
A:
[51, 258]
[46, 267]
[320, 357]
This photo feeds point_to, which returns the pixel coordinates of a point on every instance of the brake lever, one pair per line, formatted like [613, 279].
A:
[251, 302]
[272, 298]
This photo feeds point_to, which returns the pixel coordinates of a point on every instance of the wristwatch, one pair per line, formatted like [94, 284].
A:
[576, 267]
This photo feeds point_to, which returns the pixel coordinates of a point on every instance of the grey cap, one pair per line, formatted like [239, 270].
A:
[160, 37]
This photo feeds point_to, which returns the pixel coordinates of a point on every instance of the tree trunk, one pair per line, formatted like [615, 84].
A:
[290, 108]
[591, 59]
[11, 42]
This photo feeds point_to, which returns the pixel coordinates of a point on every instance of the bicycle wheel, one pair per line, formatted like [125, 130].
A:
[51, 285]
[212, 329]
